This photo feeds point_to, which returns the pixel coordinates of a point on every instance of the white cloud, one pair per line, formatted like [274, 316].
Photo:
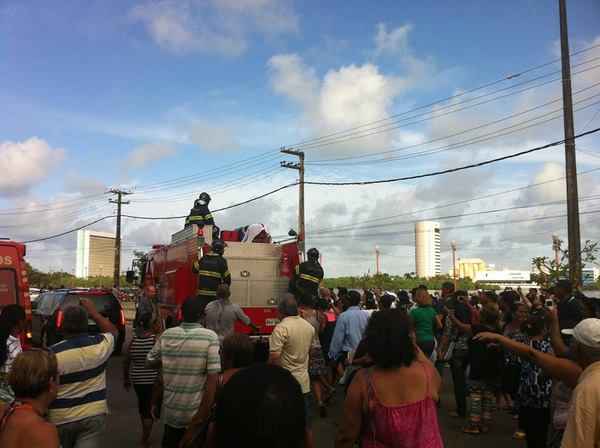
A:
[394, 41]
[213, 137]
[148, 153]
[350, 95]
[216, 26]
[24, 164]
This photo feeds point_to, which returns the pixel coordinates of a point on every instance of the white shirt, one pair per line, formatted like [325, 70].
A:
[13, 348]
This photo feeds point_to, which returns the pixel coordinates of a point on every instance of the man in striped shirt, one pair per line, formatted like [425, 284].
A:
[189, 356]
[80, 409]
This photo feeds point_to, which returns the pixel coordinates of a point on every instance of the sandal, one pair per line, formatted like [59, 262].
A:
[471, 430]
[519, 435]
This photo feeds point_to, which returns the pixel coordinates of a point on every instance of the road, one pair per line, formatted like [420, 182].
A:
[124, 428]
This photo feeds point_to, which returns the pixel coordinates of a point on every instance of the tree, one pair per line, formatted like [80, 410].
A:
[549, 270]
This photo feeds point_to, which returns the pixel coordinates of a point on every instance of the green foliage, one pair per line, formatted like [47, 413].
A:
[549, 270]
[39, 279]
[396, 282]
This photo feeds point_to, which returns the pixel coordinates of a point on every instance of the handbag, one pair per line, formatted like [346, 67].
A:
[449, 352]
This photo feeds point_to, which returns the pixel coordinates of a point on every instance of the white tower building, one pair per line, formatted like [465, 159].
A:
[427, 249]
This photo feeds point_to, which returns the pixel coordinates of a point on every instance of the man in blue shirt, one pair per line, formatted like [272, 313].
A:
[349, 329]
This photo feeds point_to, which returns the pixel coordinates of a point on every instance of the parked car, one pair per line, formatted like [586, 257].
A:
[48, 316]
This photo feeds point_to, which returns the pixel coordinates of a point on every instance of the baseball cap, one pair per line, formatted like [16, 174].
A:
[586, 332]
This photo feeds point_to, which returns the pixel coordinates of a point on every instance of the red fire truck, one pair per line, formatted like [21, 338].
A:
[14, 287]
[260, 274]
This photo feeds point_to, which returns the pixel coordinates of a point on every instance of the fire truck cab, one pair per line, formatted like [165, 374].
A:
[14, 287]
[260, 274]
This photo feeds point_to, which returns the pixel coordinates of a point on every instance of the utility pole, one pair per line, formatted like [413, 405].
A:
[119, 201]
[453, 246]
[570, 158]
[300, 167]
[377, 265]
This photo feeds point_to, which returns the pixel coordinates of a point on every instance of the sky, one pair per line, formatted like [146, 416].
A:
[170, 98]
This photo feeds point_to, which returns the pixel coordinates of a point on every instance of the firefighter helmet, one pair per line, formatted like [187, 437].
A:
[204, 198]
[313, 254]
[218, 247]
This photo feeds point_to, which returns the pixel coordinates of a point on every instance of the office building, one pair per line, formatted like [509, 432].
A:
[95, 254]
[427, 249]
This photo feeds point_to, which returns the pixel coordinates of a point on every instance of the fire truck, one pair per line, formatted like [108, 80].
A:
[260, 274]
[14, 287]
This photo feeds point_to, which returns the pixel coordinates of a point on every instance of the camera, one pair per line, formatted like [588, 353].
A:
[549, 303]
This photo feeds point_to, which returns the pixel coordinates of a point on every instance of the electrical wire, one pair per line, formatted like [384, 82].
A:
[456, 169]
[474, 140]
[462, 201]
[462, 132]
[466, 226]
[449, 98]
[37, 240]
[457, 216]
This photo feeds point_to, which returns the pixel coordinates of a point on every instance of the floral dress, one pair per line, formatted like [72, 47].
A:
[535, 387]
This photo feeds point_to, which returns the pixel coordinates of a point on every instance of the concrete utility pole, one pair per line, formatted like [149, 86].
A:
[119, 201]
[453, 246]
[300, 167]
[570, 158]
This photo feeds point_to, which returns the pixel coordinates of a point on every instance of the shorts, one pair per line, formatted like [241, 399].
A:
[144, 397]
[316, 363]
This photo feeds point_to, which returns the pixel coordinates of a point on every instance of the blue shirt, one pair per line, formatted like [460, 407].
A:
[348, 332]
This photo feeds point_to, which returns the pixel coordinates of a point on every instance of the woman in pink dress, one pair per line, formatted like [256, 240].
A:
[393, 404]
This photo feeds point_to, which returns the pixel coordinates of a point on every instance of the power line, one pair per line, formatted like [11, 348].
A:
[453, 170]
[464, 131]
[37, 240]
[256, 198]
[466, 226]
[464, 143]
[316, 140]
[463, 201]
[457, 216]
[396, 124]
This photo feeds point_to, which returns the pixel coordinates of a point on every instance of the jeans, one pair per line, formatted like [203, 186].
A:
[427, 347]
[458, 366]
[172, 436]
[86, 433]
[535, 423]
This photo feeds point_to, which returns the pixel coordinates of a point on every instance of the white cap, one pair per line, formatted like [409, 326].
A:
[586, 332]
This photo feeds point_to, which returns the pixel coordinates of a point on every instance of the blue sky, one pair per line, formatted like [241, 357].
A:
[137, 92]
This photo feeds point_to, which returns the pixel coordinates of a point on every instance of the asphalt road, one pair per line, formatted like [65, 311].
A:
[123, 428]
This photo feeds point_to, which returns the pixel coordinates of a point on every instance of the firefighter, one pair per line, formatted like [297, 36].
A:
[308, 276]
[200, 214]
[212, 271]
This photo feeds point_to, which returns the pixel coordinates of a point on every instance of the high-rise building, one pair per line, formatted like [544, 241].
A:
[427, 249]
[95, 254]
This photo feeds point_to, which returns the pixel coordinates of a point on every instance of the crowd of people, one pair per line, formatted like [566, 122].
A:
[534, 356]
